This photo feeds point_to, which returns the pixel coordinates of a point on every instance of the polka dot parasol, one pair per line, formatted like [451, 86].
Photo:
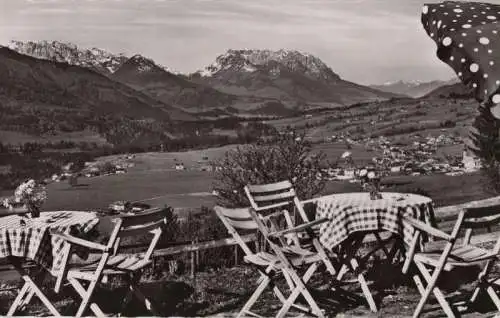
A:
[467, 35]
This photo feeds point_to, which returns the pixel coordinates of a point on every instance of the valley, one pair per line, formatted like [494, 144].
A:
[58, 98]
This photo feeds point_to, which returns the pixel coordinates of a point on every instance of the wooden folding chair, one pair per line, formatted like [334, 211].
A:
[237, 221]
[112, 262]
[282, 196]
[431, 263]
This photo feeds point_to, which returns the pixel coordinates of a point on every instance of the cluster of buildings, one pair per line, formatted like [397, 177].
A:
[419, 158]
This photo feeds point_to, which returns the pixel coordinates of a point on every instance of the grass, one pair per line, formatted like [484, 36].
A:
[154, 180]
[223, 292]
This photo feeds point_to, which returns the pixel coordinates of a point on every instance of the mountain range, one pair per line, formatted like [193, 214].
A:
[413, 89]
[44, 81]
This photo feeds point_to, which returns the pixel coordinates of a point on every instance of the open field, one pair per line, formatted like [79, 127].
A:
[13, 137]
[154, 180]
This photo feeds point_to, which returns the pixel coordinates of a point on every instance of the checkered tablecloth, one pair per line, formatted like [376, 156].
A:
[356, 212]
[32, 240]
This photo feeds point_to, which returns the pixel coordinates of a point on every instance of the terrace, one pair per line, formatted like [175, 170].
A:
[202, 290]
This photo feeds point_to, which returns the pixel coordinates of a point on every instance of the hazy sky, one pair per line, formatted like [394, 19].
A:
[366, 41]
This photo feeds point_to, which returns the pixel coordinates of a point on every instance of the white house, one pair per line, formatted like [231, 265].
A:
[471, 162]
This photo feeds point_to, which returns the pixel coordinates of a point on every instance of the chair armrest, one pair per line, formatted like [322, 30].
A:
[299, 228]
[276, 213]
[80, 242]
[424, 227]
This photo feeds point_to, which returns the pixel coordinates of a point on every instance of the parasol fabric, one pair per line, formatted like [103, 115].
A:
[467, 35]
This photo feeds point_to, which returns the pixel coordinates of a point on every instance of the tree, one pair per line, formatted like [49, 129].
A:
[486, 145]
[281, 156]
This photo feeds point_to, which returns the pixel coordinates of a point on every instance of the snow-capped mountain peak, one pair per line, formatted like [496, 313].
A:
[249, 60]
[93, 58]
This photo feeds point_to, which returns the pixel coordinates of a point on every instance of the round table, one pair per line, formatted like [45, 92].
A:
[356, 212]
[30, 238]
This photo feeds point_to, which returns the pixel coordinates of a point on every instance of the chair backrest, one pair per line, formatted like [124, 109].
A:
[237, 221]
[150, 221]
[420, 227]
[484, 217]
[469, 219]
[276, 195]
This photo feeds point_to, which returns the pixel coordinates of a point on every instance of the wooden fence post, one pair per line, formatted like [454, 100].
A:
[236, 255]
[193, 264]
[197, 254]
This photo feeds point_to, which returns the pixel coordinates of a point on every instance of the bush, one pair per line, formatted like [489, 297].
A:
[486, 145]
[282, 156]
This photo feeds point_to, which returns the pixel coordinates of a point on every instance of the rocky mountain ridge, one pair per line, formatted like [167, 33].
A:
[413, 89]
[94, 58]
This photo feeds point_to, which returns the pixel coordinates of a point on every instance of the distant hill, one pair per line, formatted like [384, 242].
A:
[413, 89]
[295, 78]
[146, 76]
[39, 96]
[457, 90]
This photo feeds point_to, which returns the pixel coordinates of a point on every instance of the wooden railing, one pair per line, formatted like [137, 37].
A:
[445, 217]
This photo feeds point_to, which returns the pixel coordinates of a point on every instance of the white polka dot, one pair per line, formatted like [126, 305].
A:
[474, 16]
[425, 10]
[433, 10]
[439, 24]
[496, 98]
[490, 51]
[432, 34]
[495, 111]
[454, 21]
[484, 40]
[452, 58]
[462, 60]
[485, 91]
[485, 75]
[452, 29]
[458, 10]
[497, 82]
[474, 67]
[491, 17]
[458, 15]
[492, 63]
[483, 22]
[494, 31]
[474, 85]
[476, 49]
[460, 74]
[466, 26]
[447, 41]
[446, 13]
[479, 31]
[464, 34]
[433, 22]
[461, 45]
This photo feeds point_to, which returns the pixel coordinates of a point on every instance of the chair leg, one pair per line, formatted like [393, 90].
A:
[30, 289]
[85, 294]
[482, 282]
[300, 289]
[19, 299]
[145, 300]
[364, 286]
[431, 282]
[126, 300]
[265, 280]
[494, 296]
